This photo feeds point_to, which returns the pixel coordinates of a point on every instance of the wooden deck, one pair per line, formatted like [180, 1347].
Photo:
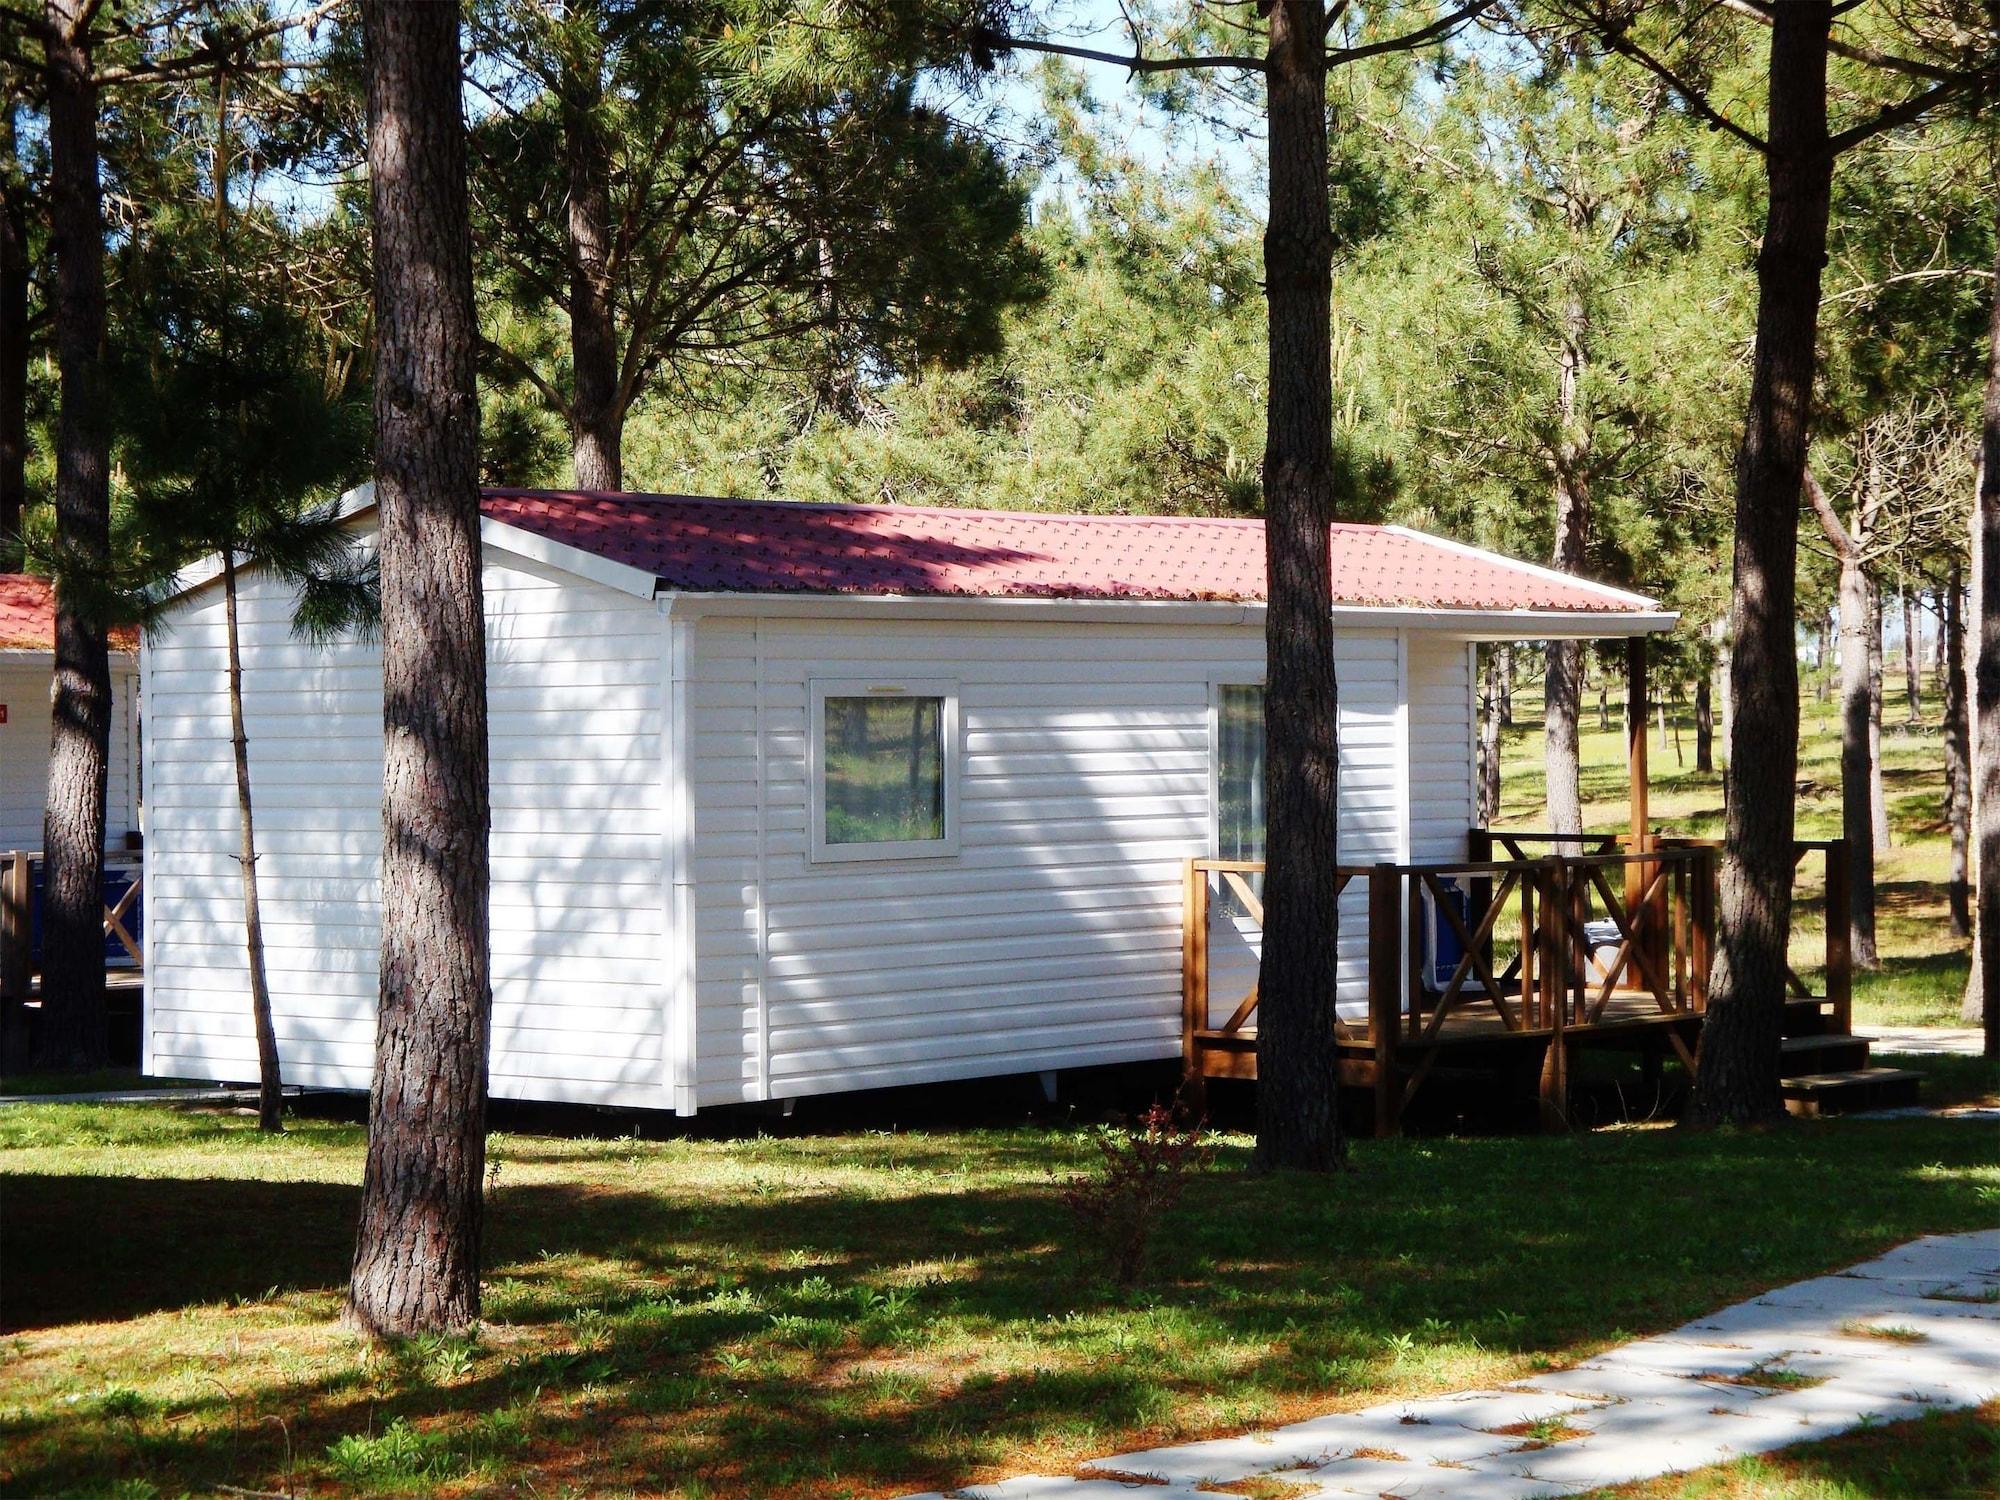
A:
[1496, 963]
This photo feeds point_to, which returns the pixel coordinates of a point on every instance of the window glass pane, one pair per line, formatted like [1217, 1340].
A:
[884, 770]
[1240, 774]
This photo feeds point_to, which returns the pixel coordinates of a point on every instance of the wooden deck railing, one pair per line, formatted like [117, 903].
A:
[1548, 944]
[124, 882]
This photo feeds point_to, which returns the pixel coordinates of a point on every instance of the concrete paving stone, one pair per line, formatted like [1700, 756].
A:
[1318, 1442]
[1484, 1410]
[1064, 1487]
[1590, 1465]
[1946, 1257]
[1375, 1477]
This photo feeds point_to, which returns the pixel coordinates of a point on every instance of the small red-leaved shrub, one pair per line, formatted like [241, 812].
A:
[1145, 1167]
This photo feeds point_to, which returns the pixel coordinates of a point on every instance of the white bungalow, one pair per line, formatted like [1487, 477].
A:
[791, 799]
[27, 666]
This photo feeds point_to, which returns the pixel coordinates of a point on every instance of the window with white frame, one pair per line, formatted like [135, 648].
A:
[884, 769]
[1238, 762]
[1239, 770]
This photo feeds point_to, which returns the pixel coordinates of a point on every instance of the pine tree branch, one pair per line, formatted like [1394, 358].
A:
[521, 369]
[1616, 32]
[1439, 29]
[1134, 62]
[1911, 109]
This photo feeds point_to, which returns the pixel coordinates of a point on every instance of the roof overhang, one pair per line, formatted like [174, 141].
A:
[1479, 625]
[1626, 615]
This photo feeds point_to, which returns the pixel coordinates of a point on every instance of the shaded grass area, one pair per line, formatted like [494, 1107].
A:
[1922, 978]
[856, 1314]
[96, 1081]
[1941, 1456]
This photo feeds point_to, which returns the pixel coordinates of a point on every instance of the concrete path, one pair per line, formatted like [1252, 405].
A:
[1915, 1330]
[1925, 1041]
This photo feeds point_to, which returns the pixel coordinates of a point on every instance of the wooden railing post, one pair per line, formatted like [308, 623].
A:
[1194, 976]
[1385, 983]
[1555, 1061]
[1479, 851]
[15, 933]
[1839, 956]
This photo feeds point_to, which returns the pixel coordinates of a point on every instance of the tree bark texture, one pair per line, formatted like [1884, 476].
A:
[1913, 664]
[1878, 801]
[13, 342]
[1957, 750]
[1489, 742]
[1298, 1119]
[1857, 817]
[1737, 1072]
[1704, 724]
[1985, 986]
[597, 412]
[72, 1031]
[1563, 691]
[416, 1257]
[270, 1078]
[1506, 654]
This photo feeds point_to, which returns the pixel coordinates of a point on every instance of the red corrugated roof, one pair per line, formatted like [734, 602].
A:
[748, 546]
[28, 616]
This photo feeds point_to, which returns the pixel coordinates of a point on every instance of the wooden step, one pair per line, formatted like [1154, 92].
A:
[1834, 1052]
[1856, 1089]
[1806, 1018]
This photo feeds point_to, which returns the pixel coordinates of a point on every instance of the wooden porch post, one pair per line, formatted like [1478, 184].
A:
[1385, 992]
[1651, 924]
[14, 929]
[1636, 711]
[1839, 958]
[1194, 983]
[1555, 944]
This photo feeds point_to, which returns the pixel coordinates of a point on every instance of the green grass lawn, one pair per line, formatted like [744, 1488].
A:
[856, 1313]
[1942, 1456]
[1922, 978]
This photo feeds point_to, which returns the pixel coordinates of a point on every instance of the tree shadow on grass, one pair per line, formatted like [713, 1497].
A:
[812, 1339]
[95, 1249]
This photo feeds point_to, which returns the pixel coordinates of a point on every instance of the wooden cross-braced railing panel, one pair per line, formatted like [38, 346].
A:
[1232, 876]
[17, 939]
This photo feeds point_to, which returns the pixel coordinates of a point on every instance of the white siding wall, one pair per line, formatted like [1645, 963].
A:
[576, 725]
[24, 750]
[1052, 939]
[1443, 796]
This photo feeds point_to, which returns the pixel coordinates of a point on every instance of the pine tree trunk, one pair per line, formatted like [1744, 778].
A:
[13, 342]
[72, 1031]
[1298, 1118]
[1737, 1074]
[416, 1256]
[1983, 993]
[1857, 821]
[1878, 802]
[1489, 742]
[1913, 666]
[1957, 751]
[1704, 724]
[1506, 654]
[597, 416]
[270, 1079]
[1563, 694]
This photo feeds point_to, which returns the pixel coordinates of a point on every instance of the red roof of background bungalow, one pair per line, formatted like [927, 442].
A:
[700, 545]
[28, 616]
